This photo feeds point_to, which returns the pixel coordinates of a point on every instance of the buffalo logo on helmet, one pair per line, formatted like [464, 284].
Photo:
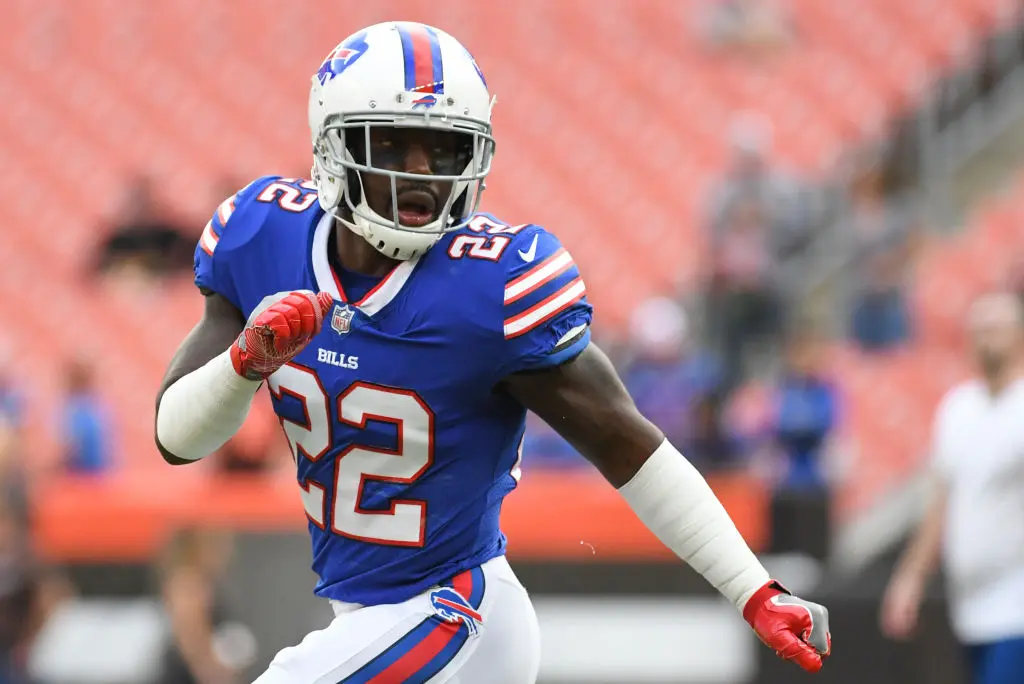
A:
[476, 67]
[341, 319]
[342, 57]
[425, 102]
[450, 606]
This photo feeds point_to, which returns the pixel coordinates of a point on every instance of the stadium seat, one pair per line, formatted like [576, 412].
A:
[612, 121]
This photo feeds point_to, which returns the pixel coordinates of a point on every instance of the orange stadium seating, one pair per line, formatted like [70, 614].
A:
[891, 398]
[611, 124]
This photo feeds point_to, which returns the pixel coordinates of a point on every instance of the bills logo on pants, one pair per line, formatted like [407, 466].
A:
[433, 643]
[426, 639]
[452, 607]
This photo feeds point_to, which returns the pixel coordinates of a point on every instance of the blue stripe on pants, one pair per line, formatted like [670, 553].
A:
[997, 662]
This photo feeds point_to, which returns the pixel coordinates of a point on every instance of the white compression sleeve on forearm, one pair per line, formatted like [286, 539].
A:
[678, 506]
[204, 409]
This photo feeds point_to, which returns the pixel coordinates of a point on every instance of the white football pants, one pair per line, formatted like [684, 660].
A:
[478, 628]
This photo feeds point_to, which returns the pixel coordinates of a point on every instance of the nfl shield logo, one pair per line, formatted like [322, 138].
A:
[341, 319]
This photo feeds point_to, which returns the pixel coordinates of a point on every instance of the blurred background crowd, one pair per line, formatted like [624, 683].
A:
[782, 209]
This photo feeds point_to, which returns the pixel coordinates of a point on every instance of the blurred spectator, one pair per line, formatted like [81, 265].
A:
[12, 401]
[744, 304]
[13, 481]
[881, 235]
[668, 375]
[27, 598]
[13, 486]
[759, 220]
[757, 26]
[804, 422]
[207, 646]
[86, 426]
[142, 242]
[806, 406]
[1015, 278]
[713, 444]
[669, 379]
[751, 178]
[971, 527]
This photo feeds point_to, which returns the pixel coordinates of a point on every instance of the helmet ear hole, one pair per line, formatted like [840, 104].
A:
[355, 154]
[458, 211]
[355, 146]
[355, 150]
[355, 188]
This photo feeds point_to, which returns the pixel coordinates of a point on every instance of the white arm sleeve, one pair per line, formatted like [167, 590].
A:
[204, 409]
[678, 506]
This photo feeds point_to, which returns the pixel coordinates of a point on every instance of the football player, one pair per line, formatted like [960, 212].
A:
[403, 336]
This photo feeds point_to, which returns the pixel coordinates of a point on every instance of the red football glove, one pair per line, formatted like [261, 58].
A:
[795, 629]
[278, 333]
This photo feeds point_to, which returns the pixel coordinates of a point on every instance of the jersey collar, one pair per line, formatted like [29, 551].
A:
[377, 298]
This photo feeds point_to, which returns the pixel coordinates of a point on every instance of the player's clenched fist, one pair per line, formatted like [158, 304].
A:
[795, 629]
[275, 334]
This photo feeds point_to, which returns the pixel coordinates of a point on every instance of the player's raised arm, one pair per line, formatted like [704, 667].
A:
[206, 393]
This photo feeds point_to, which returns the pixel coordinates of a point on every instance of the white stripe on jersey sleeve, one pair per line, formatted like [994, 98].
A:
[208, 240]
[549, 269]
[225, 210]
[545, 310]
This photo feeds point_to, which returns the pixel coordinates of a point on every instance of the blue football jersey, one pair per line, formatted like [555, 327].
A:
[404, 450]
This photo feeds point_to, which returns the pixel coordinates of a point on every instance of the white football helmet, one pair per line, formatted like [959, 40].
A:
[397, 74]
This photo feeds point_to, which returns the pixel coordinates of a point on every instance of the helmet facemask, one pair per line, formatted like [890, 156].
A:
[344, 156]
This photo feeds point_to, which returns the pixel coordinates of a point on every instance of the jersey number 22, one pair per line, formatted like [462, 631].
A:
[404, 523]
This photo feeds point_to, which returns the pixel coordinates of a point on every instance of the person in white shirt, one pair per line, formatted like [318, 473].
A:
[975, 517]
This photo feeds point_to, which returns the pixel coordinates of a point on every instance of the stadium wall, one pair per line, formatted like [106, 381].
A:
[623, 622]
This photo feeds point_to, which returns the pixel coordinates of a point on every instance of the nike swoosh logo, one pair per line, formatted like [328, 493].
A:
[529, 254]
